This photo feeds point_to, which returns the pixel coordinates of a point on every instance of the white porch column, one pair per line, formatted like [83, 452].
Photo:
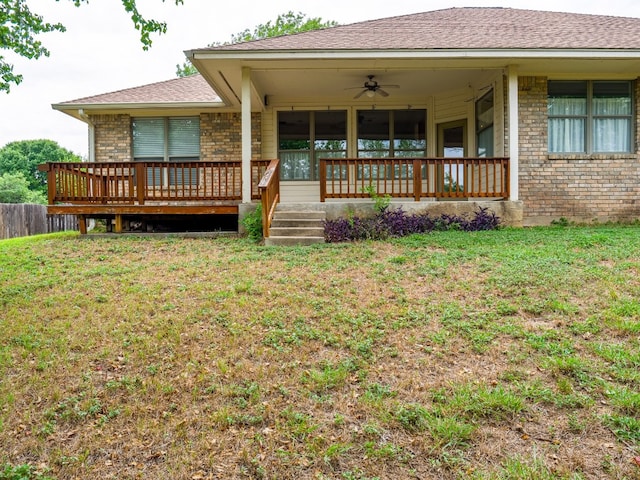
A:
[514, 144]
[246, 135]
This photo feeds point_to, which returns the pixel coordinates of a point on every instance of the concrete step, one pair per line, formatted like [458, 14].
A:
[296, 231]
[295, 222]
[294, 214]
[292, 240]
[292, 226]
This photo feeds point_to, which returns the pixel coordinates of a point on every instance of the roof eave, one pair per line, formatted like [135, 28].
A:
[349, 54]
[76, 110]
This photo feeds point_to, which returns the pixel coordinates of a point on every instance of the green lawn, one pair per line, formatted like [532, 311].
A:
[492, 355]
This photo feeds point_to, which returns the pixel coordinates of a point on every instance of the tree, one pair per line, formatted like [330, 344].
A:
[285, 24]
[19, 27]
[14, 188]
[24, 156]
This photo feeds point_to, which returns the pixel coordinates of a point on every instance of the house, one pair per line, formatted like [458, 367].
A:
[534, 113]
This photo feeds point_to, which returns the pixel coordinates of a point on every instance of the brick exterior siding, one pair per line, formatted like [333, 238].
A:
[112, 138]
[220, 137]
[580, 188]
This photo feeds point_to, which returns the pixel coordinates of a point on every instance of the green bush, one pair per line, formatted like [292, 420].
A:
[252, 223]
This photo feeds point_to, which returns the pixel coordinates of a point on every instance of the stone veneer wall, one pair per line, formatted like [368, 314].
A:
[579, 187]
[112, 138]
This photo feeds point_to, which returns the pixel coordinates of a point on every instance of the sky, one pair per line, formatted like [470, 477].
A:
[100, 52]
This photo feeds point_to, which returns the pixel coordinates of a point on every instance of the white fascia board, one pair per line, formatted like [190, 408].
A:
[415, 54]
[135, 106]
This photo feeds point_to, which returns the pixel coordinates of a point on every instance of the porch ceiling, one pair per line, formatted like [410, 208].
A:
[303, 79]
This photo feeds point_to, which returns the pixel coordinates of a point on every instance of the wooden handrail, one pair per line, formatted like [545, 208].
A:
[137, 182]
[269, 188]
[416, 178]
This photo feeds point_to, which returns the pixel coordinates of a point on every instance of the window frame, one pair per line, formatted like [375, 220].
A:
[379, 172]
[313, 152]
[166, 157]
[590, 117]
[392, 149]
[162, 176]
[488, 127]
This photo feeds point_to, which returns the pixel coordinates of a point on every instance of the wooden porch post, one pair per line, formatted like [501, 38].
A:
[82, 224]
[417, 179]
[246, 135]
[514, 143]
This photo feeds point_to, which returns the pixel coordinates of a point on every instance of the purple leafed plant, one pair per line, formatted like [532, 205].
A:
[397, 223]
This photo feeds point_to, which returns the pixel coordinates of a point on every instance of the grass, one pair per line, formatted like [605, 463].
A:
[488, 355]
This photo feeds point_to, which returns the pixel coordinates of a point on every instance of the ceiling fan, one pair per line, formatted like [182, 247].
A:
[371, 87]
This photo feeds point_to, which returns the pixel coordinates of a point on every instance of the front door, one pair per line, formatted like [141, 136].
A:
[452, 143]
[452, 139]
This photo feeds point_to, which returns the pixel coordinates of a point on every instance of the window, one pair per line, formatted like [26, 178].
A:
[391, 134]
[484, 125]
[306, 136]
[590, 116]
[167, 140]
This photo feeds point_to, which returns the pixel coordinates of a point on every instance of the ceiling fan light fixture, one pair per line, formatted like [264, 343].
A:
[370, 93]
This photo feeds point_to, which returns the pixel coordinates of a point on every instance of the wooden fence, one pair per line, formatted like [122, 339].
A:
[24, 219]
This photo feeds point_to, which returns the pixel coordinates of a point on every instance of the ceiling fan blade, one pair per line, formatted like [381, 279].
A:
[390, 86]
[382, 92]
[360, 94]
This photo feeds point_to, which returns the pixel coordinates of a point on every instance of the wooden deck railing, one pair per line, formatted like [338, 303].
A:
[139, 182]
[414, 177]
[269, 188]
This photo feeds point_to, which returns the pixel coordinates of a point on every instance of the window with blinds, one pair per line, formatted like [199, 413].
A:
[167, 139]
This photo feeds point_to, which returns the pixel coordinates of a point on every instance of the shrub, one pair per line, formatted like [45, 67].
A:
[252, 223]
[397, 223]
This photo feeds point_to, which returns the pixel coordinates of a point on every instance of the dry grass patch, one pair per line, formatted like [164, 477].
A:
[505, 354]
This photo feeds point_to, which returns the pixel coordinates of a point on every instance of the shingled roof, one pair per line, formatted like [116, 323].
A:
[191, 89]
[464, 28]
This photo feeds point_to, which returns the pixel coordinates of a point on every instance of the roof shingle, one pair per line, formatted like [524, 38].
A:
[464, 28]
[191, 89]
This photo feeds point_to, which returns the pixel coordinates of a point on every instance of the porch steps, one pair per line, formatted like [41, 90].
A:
[292, 226]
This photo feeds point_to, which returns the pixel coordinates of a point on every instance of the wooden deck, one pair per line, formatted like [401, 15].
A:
[112, 190]
[116, 189]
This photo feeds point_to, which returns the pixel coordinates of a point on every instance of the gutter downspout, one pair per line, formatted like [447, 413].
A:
[92, 134]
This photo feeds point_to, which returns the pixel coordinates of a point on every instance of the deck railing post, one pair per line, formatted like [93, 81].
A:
[51, 185]
[417, 179]
[323, 178]
[140, 182]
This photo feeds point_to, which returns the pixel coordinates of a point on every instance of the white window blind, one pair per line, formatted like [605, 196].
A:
[166, 138]
[148, 138]
[184, 138]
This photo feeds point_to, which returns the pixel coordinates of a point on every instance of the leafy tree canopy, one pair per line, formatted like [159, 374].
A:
[14, 188]
[19, 27]
[285, 24]
[24, 156]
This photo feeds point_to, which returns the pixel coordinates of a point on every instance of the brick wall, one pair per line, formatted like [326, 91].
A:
[580, 188]
[112, 137]
[221, 136]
